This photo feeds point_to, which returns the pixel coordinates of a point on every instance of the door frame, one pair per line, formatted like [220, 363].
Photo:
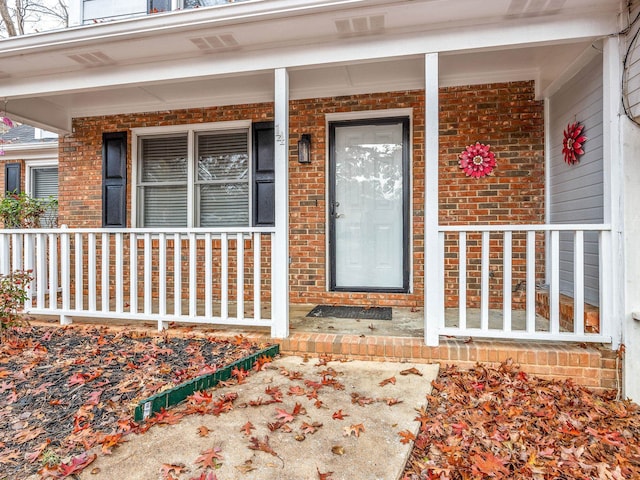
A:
[406, 199]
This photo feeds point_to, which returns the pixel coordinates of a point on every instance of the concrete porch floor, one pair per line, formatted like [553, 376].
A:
[405, 322]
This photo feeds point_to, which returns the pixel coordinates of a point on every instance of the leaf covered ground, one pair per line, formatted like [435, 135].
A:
[501, 423]
[64, 391]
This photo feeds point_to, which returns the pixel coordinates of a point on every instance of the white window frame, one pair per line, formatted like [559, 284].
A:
[191, 130]
[30, 165]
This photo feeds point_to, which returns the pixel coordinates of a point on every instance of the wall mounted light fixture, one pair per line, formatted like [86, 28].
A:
[304, 148]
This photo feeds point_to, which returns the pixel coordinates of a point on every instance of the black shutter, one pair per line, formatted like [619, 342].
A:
[263, 174]
[114, 179]
[12, 178]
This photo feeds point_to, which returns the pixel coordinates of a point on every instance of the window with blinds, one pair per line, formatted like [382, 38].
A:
[219, 167]
[44, 185]
[44, 182]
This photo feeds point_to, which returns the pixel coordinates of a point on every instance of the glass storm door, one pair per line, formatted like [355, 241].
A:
[369, 205]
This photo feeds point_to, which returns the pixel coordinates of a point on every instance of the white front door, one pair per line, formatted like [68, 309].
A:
[369, 205]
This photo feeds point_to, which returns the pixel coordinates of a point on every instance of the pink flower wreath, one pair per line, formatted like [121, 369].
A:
[572, 143]
[477, 160]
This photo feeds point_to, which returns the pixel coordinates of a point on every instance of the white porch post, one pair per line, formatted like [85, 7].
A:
[612, 312]
[280, 243]
[433, 261]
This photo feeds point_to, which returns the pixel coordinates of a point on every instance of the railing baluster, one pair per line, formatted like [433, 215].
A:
[257, 256]
[79, 291]
[462, 279]
[177, 274]
[41, 269]
[16, 250]
[531, 282]
[65, 276]
[148, 265]
[5, 252]
[193, 290]
[53, 271]
[484, 289]
[104, 284]
[507, 255]
[240, 276]
[119, 272]
[28, 266]
[578, 283]
[554, 291]
[133, 273]
[91, 275]
[224, 274]
[162, 274]
[208, 271]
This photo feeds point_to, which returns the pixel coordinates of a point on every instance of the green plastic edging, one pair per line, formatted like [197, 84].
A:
[179, 393]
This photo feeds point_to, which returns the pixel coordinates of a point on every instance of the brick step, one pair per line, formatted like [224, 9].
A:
[590, 365]
[591, 312]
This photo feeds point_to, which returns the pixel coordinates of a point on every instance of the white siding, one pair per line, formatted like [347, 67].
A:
[576, 191]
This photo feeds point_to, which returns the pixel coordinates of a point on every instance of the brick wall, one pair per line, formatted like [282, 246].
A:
[503, 115]
[507, 117]
[80, 160]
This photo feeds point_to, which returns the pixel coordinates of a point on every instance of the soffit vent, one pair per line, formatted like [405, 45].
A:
[91, 59]
[213, 43]
[360, 25]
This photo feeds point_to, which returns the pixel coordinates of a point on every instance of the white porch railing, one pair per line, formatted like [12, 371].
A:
[490, 273]
[213, 276]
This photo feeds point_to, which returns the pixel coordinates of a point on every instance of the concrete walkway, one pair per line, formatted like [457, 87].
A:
[374, 453]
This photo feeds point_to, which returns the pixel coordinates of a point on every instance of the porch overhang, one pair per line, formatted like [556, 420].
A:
[160, 62]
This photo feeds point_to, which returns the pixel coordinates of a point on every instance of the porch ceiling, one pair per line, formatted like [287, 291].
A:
[225, 55]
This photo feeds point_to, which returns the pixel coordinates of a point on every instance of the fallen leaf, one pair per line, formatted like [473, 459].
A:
[411, 371]
[168, 468]
[324, 476]
[337, 450]
[353, 430]
[246, 467]
[77, 464]
[208, 458]
[307, 428]
[487, 463]
[387, 381]
[246, 428]
[339, 415]
[262, 445]
[406, 436]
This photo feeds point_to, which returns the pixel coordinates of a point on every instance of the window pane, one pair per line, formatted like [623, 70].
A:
[164, 159]
[223, 156]
[165, 206]
[44, 182]
[223, 205]
[205, 3]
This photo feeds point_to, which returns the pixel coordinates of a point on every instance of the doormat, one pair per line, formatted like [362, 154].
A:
[369, 313]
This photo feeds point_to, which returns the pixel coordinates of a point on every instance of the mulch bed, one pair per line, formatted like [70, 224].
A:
[64, 391]
[501, 423]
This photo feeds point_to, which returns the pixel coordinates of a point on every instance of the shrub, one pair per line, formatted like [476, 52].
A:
[19, 210]
[13, 294]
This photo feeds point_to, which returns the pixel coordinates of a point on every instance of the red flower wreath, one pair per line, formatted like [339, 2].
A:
[477, 160]
[572, 143]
